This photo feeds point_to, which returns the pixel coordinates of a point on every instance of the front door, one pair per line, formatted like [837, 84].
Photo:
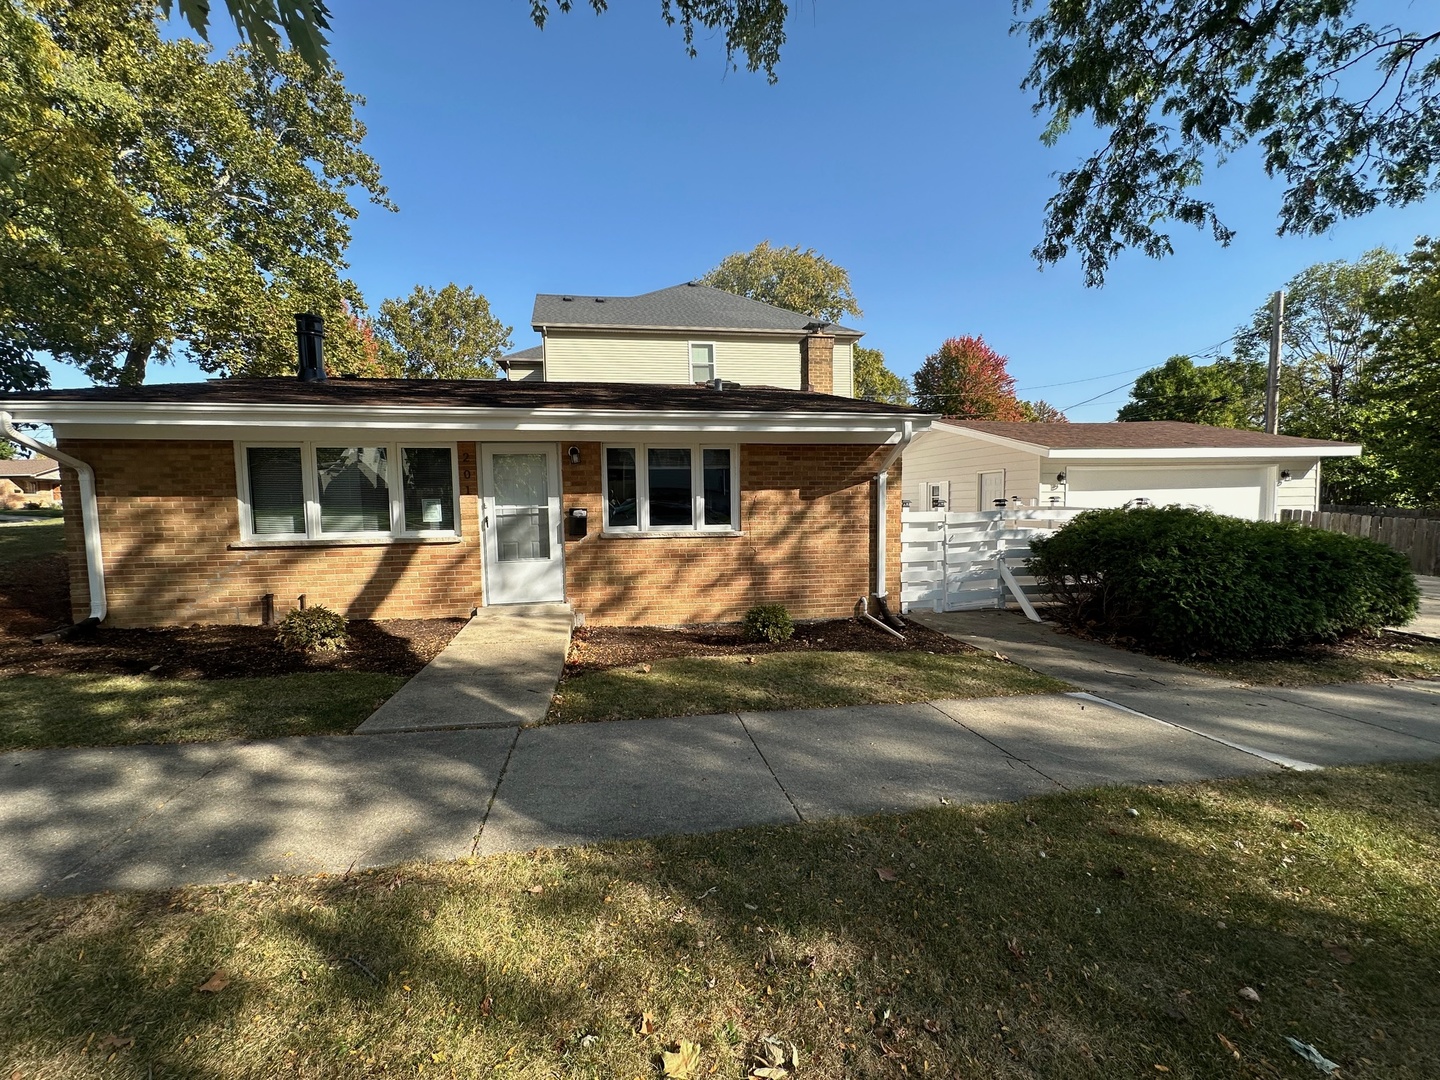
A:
[520, 519]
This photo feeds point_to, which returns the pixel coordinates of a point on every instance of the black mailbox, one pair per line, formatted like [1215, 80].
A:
[577, 523]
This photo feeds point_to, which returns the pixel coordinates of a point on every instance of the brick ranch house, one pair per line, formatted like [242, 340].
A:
[635, 501]
[29, 481]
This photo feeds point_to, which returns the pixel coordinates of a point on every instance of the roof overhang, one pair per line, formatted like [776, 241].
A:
[413, 418]
[797, 334]
[1169, 453]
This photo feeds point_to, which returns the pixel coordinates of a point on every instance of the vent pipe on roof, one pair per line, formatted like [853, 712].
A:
[310, 342]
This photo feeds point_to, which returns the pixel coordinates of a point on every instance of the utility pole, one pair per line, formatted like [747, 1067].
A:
[1272, 385]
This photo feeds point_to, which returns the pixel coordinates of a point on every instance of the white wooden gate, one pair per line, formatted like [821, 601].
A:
[952, 561]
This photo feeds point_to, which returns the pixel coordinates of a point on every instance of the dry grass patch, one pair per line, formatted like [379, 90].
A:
[113, 710]
[690, 686]
[1061, 937]
[1368, 659]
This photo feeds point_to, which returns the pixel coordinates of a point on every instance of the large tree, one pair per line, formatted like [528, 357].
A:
[1345, 113]
[967, 379]
[262, 22]
[803, 281]
[1405, 388]
[226, 185]
[444, 334]
[1226, 393]
[876, 382]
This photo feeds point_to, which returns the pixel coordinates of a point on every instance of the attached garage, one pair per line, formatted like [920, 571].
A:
[970, 465]
[1240, 491]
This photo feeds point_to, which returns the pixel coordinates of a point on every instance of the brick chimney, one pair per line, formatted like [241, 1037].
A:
[817, 362]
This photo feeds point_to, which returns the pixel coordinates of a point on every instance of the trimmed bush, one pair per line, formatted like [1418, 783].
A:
[1186, 582]
[768, 622]
[312, 629]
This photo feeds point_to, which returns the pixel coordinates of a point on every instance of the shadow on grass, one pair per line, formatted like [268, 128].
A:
[1061, 937]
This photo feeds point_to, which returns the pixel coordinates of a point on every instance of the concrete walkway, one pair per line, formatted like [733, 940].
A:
[499, 671]
[1427, 622]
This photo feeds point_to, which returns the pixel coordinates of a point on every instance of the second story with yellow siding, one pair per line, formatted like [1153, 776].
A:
[688, 333]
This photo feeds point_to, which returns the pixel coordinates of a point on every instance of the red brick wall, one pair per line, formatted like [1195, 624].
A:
[806, 513]
[168, 514]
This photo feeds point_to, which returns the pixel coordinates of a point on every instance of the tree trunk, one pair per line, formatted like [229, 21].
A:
[137, 356]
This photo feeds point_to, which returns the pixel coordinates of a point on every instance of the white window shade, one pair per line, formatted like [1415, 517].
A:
[354, 489]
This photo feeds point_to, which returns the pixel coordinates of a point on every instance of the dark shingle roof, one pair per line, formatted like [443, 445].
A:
[535, 352]
[468, 393]
[690, 306]
[1134, 435]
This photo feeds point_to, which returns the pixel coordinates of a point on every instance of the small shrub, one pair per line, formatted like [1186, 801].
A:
[1183, 582]
[311, 629]
[768, 622]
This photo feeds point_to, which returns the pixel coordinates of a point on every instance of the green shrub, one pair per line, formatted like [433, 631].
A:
[1183, 582]
[311, 629]
[768, 622]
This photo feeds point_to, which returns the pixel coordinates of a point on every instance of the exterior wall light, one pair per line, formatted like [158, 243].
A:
[1060, 478]
[574, 455]
[1284, 475]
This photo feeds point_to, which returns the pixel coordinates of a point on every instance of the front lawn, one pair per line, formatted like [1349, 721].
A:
[1369, 659]
[1177, 931]
[690, 686]
[24, 540]
[113, 710]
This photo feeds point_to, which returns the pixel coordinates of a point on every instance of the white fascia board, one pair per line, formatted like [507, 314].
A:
[990, 437]
[596, 328]
[286, 417]
[1207, 453]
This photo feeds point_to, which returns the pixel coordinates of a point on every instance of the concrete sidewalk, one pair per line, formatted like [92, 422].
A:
[75, 821]
[1427, 622]
[501, 670]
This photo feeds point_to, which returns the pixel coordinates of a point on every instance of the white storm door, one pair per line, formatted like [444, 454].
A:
[520, 520]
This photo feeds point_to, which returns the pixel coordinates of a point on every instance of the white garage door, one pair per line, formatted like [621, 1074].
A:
[1239, 492]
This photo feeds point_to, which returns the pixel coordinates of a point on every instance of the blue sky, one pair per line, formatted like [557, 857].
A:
[596, 157]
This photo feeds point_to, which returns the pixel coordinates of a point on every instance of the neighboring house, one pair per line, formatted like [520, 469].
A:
[687, 333]
[972, 464]
[24, 481]
[637, 481]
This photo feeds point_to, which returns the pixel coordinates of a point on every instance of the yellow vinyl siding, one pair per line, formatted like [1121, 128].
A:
[939, 455]
[597, 356]
[1302, 490]
[844, 369]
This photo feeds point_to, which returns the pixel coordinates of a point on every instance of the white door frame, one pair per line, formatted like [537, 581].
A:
[548, 584]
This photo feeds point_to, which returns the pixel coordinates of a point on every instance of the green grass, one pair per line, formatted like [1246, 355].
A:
[1056, 938]
[22, 541]
[113, 710]
[43, 512]
[1416, 659]
[793, 680]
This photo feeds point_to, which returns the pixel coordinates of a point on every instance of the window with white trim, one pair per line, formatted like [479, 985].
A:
[702, 361]
[321, 491]
[668, 488]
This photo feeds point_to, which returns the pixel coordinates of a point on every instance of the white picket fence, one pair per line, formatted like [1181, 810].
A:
[958, 561]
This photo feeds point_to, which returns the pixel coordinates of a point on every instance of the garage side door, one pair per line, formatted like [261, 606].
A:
[1237, 491]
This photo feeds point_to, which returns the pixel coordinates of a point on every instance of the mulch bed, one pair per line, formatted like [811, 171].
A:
[35, 598]
[598, 648]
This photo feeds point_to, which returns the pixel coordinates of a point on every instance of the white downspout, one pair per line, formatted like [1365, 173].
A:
[89, 511]
[882, 485]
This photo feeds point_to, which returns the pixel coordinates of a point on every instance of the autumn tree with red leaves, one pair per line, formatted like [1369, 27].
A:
[966, 379]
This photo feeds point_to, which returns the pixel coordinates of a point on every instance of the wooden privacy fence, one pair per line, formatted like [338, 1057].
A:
[1416, 537]
[965, 561]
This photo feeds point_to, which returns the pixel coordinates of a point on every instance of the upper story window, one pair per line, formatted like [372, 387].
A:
[671, 488]
[310, 491]
[702, 362]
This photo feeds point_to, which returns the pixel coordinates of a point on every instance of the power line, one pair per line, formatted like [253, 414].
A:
[1072, 382]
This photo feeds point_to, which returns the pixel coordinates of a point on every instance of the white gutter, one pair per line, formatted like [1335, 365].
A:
[89, 512]
[882, 485]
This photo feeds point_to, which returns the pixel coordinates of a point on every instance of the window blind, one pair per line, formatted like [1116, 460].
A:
[354, 490]
[429, 486]
[277, 491]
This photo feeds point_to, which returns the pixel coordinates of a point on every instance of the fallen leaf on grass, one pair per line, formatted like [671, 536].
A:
[1339, 952]
[1228, 1045]
[643, 669]
[647, 1024]
[486, 1006]
[535, 890]
[215, 983]
[116, 1042]
[1015, 949]
[931, 1026]
[885, 873]
[774, 1060]
[1296, 825]
[683, 1063]
[1248, 993]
